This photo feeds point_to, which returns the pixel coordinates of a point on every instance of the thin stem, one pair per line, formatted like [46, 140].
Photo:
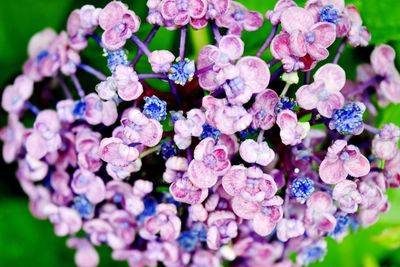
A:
[268, 41]
[64, 87]
[97, 39]
[174, 91]
[285, 89]
[371, 129]
[340, 51]
[78, 86]
[308, 77]
[286, 210]
[365, 85]
[92, 71]
[215, 30]
[182, 43]
[316, 159]
[260, 137]
[146, 42]
[141, 45]
[204, 70]
[32, 108]
[323, 186]
[276, 74]
[149, 151]
[189, 154]
[152, 76]
[273, 62]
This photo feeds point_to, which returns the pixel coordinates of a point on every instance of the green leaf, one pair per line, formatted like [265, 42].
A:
[389, 114]
[306, 118]
[389, 238]
[381, 19]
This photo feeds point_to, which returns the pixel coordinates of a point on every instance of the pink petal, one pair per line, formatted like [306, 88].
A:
[262, 224]
[41, 41]
[296, 18]
[306, 97]
[169, 9]
[24, 86]
[382, 59]
[286, 119]
[320, 201]
[131, 21]
[245, 209]
[234, 180]
[109, 113]
[334, 101]
[213, 238]
[36, 146]
[391, 89]
[232, 45]
[197, 8]
[326, 223]
[317, 52]
[151, 133]
[254, 72]
[252, 21]
[200, 175]
[198, 23]
[332, 75]
[205, 147]
[298, 44]
[111, 14]
[97, 191]
[332, 172]
[280, 46]
[184, 191]
[182, 19]
[358, 166]
[325, 33]
[112, 39]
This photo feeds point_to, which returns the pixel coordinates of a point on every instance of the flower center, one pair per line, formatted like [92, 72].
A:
[238, 15]
[115, 58]
[79, 109]
[236, 84]
[323, 95]
[117, 198]
[302, 188]
[209, 131]
[82, 180]
[348, 120]
[9, 135]
[310, 37]
[329, 14]
[183, 5]
[120, 27]
[42, 55]
[154, 108]
[83, 206]
[344, 156]
[182, 72]
[210, 161]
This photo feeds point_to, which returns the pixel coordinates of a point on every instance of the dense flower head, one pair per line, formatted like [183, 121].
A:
[285, 103]
[329, 14]
[116, 58]
[182, 71]
[302, 188]
[349, 119]
[155, 108]
[235, 163]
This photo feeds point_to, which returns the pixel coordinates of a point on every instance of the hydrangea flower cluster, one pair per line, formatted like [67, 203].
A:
[263, 166]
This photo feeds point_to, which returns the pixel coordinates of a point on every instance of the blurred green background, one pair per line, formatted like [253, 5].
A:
[25, 241]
